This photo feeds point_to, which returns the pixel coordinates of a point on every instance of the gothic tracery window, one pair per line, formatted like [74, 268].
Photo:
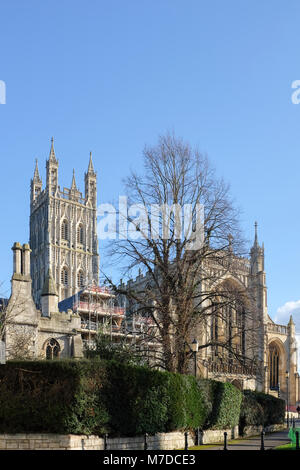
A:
[80, 279]
[52, 349]
[65, 276]
[65, 230]
[273, 366]
[80, 234]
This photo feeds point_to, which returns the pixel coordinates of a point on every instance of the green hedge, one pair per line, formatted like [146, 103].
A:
[273, 408]
[93, 397]
[226, 406]
[186, 403]
[52, 396]
[252, 413]
[136, 398]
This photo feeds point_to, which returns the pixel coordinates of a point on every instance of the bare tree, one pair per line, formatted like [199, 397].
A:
[183, 291]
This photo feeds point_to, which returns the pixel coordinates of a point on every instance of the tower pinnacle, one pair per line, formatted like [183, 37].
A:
[36, 176]
[52, 156]
[255, 238]
[91, 166]
[73, 185]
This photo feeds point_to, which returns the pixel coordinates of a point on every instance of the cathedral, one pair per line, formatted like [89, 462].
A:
[56, 303]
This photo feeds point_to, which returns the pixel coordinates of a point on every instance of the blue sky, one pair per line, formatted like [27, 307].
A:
[110, 76]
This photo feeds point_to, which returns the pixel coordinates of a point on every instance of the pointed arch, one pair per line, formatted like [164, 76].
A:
[228, 319]
[64, 276]
[65, 230]
[80, 233]
[80, 279]
[276, 363]
[52, 349]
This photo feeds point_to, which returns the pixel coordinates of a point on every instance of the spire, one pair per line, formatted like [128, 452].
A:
[255, 238]
[52, 156]
[49, 285]
[91, 166]
[36, 177]
[291, 322]
[257, 254]
[73, 185]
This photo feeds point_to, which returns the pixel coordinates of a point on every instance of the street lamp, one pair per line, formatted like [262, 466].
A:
[287, 393]
[195, 348]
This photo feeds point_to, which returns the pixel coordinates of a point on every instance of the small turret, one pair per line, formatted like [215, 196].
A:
[36, 183]
[91, 170]
[52, 157]
[91, 184]
[258, 277]
[52, 170]
[73, 184]
[49, 296]
[257, 255]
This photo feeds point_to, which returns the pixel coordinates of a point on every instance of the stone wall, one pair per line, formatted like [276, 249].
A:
[160, 441]
[163, 441]
[212, 436]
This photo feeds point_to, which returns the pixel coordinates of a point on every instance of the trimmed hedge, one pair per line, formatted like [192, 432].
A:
[52, 396]
[136, 398]
[226, 406]
[186, 403]
[252, 413]
[273, 408]
[97, 396]
[151, 401]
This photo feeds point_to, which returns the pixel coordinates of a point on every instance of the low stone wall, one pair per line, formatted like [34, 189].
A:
[212, 436]
[252, 430]
[161, 441]
[275, 427]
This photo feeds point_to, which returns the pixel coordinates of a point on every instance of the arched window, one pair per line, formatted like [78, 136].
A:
[65, 230]
[52, 349]
[65, 276]
[274, 366]
[80, 234]
[80, 279]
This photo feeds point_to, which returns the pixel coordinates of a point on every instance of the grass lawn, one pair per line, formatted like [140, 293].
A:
[286, 447]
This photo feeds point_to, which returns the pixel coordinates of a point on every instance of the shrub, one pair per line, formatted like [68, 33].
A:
[225, 407]
[93, 397]
[186, 403]
[136, 398]
[252, 413]
[52, 396]
[273, 408]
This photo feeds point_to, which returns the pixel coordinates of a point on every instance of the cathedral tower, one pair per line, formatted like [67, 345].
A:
[63, 231]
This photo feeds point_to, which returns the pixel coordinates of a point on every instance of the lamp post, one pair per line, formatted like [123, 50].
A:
[287, 396]
[195, 348]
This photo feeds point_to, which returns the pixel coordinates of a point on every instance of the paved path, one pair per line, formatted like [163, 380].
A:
[254, 443]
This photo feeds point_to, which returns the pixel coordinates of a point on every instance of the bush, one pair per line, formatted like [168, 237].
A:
[226, 406]
[93, 397]
[273, 408]
[252, 413]
[186, 403]
[136, 398]
[52, 396]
